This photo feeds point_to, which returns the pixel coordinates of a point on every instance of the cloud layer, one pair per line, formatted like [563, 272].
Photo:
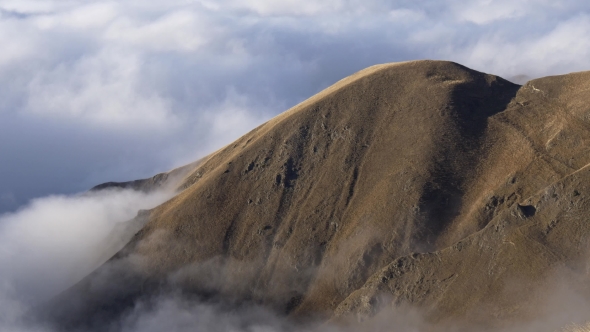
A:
[95, 91]
[55, 241]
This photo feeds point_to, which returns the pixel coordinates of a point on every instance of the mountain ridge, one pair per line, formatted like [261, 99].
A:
[320, 210]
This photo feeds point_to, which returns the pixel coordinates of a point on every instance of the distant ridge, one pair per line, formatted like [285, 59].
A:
[520, 79]
[158, 181]
[422, 183]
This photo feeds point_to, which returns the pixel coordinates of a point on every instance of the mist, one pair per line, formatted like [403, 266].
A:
[53, 242]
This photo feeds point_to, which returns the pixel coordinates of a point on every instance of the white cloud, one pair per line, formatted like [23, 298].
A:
[53, 242]
[32, 6]
[175, 314]
[104, 89]
[565, 46]
[14, 48]
[560, 50]
[181, 31]
[229, 120]
[407, 16]
[93, 15]
[488, 11]
[287, 7]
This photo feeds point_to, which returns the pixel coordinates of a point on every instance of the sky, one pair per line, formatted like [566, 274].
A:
[97, 91]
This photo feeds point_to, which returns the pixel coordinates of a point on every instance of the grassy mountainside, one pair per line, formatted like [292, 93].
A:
[422, 182]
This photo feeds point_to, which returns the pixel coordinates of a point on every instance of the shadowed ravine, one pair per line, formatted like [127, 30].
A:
[420, 184]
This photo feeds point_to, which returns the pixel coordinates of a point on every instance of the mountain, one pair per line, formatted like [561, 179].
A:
[156, 182]
[423, 184]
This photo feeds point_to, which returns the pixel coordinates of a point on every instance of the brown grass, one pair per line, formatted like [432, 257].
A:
[576, 328]
[437, 185]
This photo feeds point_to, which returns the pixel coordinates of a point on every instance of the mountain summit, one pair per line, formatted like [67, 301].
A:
[423, 184]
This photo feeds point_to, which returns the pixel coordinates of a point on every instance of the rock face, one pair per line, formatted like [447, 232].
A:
[422, 183]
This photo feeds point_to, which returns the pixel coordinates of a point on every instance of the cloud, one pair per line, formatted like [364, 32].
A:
[487, 11]
[161, 78]
[287, 8]
[179, 315]
[180, 31]
[53, 242]
[562, 49]
[94, 15]
[100, 89]
[14, 49]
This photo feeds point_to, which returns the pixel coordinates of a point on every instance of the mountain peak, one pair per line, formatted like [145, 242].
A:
[381, 175]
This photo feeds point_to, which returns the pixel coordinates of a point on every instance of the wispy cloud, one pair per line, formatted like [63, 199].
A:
[53, 242]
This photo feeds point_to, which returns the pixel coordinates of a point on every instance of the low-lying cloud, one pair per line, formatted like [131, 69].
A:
[53, 242]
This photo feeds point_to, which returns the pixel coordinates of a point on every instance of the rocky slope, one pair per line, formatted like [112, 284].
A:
[421, 183]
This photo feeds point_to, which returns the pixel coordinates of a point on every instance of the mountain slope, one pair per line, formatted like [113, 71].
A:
[312, 212]
[505, 270]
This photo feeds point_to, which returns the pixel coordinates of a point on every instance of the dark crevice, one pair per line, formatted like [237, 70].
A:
[439, 205]
[355, 175]
[291, 173]
[527, 210]
[227, 237]
[249, 168]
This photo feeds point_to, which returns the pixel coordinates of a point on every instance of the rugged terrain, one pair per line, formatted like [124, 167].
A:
[423, 184]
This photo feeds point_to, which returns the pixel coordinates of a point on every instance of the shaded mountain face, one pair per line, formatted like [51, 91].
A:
[422, 183]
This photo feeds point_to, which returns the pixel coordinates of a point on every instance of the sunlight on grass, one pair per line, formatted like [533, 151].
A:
[576, 328]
